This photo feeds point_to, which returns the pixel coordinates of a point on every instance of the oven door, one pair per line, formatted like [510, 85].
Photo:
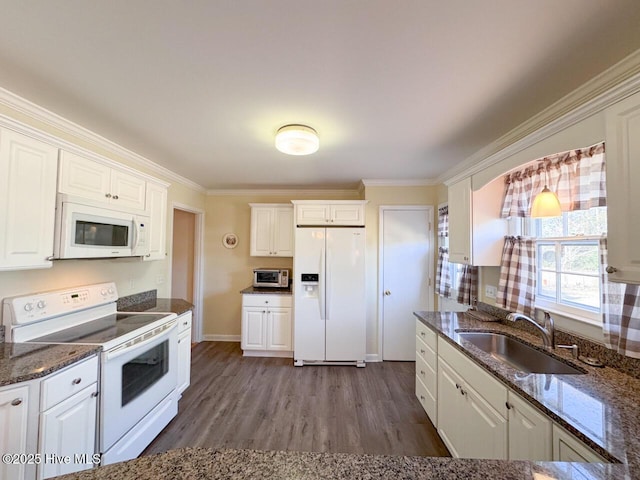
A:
[136, 378]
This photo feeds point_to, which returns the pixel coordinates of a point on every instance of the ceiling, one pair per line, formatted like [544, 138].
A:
[397, 89]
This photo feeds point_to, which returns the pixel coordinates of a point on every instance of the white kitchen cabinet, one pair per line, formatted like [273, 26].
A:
[27, 201]
[266, 325]
[529, 431]
[476, 231]
[14, 411]
[271, 230]
[184, 351]
[334, 213]
[472, 417]
[567, 448]
[623, 194]
[426, 370]
[156, 207]
[100, 183]
[68, 417]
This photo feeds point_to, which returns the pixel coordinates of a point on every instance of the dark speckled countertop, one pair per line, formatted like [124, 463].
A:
[600, 407]
[266, 291]
[20, 362]
[168, 305]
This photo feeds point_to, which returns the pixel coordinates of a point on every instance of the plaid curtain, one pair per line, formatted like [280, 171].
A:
[578, 177]
[443, 221]
[517, 284]
[443, 278]
[620, 312]
[468, 286]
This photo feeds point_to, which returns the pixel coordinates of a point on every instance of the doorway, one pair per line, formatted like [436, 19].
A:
[186, 261]
[405, 277]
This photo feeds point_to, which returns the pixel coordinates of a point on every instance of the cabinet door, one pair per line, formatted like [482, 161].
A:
[279, 329]
[127, 190]
[27, 201]
[156, 207]
[184, 360]
[460, 222]
[69, 429]
[623, 195]
[312, 214]
[529, 432]
[346, 214]
[262, 231]
[254, 328]
[84, 178]
[283, 232]
[14, 403]
[451, 410]
[485, 434]
[567, 448]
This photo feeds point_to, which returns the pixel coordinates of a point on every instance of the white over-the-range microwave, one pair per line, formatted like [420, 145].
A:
[86, 230]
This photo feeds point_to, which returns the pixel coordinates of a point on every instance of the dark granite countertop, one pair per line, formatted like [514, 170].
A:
[163, 305]
[600, 407]
[266, 291]
[201, 464]
[20, 362]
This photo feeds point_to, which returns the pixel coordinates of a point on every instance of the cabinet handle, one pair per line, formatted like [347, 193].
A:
[422, 333]
[422, 372]
[108, 195]
[463, 392]
[148, 255]
[76, 381]
[387, 292]
[16, 402]
[508, 405]
[115, 197]
[422, 398]
[458, 386]
[422, 351]
[94, 394]
[185, 324]
[611, 269]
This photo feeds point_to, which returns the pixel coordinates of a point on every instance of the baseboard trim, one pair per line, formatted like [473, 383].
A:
[221, 338]
[266, 353]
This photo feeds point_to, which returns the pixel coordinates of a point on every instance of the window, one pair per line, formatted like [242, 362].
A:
[568, 263]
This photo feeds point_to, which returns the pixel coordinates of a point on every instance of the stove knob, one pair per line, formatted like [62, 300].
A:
[28, 307]
[103, 292]
[41, 304]
[111, 290]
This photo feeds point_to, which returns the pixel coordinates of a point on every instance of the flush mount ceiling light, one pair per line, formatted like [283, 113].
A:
[297, 140]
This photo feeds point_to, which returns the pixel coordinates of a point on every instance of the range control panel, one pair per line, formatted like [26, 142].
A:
[44, 305]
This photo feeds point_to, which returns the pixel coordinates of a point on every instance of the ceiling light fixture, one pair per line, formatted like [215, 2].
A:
[297, 140]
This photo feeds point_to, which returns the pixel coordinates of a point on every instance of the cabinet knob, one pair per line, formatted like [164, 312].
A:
[422, 372]
[76, 381]
[108, 195]
[508, 405]
[463, 392]
[16, 402]
[94, 394]
[387, 292]
[422, 333]
[115, 197]
[611, 269]
[458, 386]
[422, 398]
[422, 351]
[264, 311]
[185, 323]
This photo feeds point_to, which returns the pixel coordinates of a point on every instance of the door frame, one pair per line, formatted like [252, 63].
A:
[431, 290]
[198, 264]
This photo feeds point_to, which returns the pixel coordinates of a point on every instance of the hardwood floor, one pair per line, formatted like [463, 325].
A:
[268, 404]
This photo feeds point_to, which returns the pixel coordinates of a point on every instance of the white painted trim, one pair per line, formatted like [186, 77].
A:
[425, 182]
[267, 353]
[198, 265]
[220, 338]
[292, 193]
[41, 114]
[430, 294]
[373, 357]
[611, 86]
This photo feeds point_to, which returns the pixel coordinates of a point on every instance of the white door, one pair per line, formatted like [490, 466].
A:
[406, 269]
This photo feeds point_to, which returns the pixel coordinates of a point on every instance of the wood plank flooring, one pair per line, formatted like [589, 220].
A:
[268, 404]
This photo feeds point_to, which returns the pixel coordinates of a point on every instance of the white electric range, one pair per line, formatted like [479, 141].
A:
[138, 367]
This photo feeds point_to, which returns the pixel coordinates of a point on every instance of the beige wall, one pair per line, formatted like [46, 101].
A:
[182, 255]
[131, 275]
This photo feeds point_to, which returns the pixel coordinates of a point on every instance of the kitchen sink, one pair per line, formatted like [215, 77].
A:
[517, 354]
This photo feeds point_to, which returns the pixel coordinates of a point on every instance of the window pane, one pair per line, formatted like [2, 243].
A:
[580, 259]
[587, 222]
[550, 227]
[547, 257]
[547, 285]
[582, 290]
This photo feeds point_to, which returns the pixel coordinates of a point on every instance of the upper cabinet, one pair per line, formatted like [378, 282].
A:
[329, 213]
[271, 230]
[476, 231]
[96, 181]
[623, 195]
[27, 201]
[156, 207]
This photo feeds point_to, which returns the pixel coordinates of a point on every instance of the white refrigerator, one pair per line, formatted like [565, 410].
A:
[329, 296]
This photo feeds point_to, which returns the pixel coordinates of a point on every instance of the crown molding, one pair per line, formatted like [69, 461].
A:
[292, 193]
[425, 182]
[41, 114]
[603, 90]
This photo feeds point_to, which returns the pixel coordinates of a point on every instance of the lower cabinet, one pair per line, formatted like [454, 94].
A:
[426, 370]
[184, 351]
[529, 431]
[567, 448]
[14, 414]
[267, 325]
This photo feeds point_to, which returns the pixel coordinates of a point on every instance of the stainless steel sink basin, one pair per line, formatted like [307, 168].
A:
[517, 354]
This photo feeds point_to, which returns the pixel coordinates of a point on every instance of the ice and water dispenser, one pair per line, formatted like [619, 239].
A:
[310, 282]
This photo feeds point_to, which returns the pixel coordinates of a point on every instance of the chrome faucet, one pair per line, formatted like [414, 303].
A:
[548, 332]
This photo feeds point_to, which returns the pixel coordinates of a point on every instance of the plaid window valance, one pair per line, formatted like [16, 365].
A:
[443, 221]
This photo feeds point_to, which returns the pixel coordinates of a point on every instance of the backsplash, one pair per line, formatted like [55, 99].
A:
[129, 300]
[587, 348]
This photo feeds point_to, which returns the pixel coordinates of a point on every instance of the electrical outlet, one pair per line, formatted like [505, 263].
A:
[490, 291]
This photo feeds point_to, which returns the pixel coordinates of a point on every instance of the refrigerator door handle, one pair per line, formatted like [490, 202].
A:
[327, 286]
[321, 285]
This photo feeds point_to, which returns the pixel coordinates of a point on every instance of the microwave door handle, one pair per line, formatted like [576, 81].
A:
[119, 351]
[136, 235]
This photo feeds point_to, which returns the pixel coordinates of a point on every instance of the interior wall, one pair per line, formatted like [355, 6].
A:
[228, 271]
[182, 257]
[131, 275]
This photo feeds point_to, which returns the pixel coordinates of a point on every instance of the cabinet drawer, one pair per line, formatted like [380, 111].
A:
[427, 400]
[426, 353]
[266, 300]
[184, 322]
[68, 382]
[427, 374]
[427, 335]
[494, 392]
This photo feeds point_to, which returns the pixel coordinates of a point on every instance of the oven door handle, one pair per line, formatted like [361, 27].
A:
[122, 349]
